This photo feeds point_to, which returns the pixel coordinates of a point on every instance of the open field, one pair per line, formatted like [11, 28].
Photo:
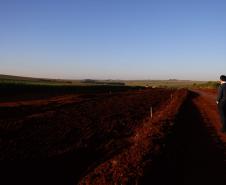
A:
[172, 83]
[105, 135]
[164, 83]
[113, 92]
[79, 131]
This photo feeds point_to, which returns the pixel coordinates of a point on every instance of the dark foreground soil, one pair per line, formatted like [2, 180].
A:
[193, 154]
[57, 140]
[127, 167]
[110, 139]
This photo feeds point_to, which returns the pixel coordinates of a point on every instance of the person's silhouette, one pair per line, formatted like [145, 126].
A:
[221, 102]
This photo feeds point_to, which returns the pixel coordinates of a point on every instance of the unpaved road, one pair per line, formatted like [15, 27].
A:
[195, 151]
[206, 103]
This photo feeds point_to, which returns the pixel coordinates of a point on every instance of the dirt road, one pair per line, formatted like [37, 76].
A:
[195, 151]
[206, 103]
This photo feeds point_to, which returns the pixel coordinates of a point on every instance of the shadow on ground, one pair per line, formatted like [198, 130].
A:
[191, 156]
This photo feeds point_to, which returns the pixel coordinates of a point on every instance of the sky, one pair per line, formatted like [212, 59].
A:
[113, 39]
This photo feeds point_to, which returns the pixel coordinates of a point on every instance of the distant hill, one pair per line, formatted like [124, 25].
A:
[20, 79]
[11, 77]
[46, 81]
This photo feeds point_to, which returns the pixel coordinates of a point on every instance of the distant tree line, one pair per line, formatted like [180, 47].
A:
[97, 82]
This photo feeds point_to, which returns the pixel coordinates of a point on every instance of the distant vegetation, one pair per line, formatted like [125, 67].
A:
[20, 88]
[42, 81]
[14, 86]
[171, 83]
[210, 84]
[16, 81]
[100, 82]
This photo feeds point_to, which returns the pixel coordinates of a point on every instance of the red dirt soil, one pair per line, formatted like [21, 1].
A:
[206, 103]
[127, 167]
[195, 151]
[110, 139]
[68, 136]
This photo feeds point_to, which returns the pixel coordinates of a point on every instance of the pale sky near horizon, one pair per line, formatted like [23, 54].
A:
[113, 39]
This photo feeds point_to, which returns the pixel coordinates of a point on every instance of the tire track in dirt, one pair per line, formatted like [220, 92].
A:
[195, 152]
[206, 103]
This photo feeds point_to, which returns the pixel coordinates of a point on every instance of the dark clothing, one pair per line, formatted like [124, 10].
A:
[221, 93]
[222, 111]
[221, 98]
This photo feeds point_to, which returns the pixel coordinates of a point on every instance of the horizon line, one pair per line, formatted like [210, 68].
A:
[112, 79]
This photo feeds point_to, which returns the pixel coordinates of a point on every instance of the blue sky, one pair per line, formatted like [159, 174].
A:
[113, 39]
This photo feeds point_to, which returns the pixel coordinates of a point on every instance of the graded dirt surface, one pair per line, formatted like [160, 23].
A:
[57, 140]
[127, 167]
[195, 151]
[110, 139]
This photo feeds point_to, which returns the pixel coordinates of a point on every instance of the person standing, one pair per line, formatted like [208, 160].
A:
[221, 102]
